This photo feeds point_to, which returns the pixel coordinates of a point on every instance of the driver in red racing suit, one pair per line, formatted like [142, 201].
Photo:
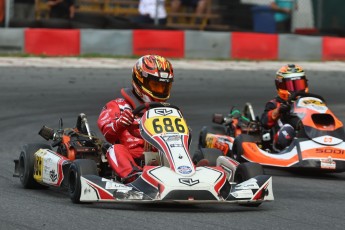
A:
[289, 78]
[152, 78]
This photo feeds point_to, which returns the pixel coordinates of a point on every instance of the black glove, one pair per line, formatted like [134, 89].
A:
[284, 108]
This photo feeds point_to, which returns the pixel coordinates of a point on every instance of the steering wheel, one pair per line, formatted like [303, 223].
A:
[294, 96]
[151, 105]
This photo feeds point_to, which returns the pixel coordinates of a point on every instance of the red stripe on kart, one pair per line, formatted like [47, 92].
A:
[148, 177]
[61, 176]
[258, 194]
[101, 192]
[186, 147]
[165, 149]
[221, 182]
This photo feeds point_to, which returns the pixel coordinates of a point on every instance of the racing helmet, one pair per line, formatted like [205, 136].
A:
[290, 78]
[152, 78]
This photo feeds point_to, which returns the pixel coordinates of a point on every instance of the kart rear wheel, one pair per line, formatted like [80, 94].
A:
[26, 165]
[205, 130]
[237, 150]
[209, 154]
[246, 171]
[77, 169]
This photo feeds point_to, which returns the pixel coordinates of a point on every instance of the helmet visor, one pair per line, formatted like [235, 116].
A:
[293, 85]
[158, 89]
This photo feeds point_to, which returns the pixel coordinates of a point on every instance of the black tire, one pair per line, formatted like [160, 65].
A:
[205, 129]
[26, 165]
[237, 150]
[209, 154]
[248, 170]
[202, 137]
[244, 172]
[77, 169]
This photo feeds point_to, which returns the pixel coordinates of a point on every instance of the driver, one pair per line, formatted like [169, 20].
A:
[152, 78]
[290, 78]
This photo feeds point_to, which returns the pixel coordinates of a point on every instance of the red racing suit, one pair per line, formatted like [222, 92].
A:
[127, 142]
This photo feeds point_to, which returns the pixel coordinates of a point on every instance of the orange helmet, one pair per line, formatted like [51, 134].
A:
[290, 78]
[152, 78]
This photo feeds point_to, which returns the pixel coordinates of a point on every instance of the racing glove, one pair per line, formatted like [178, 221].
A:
[126, 118]
[284, 108]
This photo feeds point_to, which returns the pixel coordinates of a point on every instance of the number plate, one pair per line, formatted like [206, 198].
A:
[166, 124]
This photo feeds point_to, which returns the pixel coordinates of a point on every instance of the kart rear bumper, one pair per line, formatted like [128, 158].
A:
[325, 165]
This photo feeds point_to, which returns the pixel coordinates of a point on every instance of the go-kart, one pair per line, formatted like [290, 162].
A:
[318, 145]
[80, 164]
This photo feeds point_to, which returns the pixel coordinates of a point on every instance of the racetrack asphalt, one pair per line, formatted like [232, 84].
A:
[31, 97]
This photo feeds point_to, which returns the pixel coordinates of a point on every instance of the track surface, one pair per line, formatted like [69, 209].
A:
[32, 97]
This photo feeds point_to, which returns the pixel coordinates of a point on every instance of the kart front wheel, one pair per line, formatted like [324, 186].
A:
[77, 169]
[246, 171]
[237, 150]
[26, 165]
[209, 154]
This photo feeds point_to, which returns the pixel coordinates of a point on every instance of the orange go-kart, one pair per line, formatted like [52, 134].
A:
[318, 145]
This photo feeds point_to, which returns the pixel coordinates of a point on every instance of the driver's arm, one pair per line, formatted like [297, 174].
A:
[109, 121]
[270, 114]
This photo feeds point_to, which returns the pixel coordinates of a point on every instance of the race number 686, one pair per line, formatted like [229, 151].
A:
[168, 125]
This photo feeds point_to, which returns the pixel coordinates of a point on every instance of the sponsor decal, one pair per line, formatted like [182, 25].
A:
[189, 181]
[117, 186]
[312, 103]
[87, 190]
[176, 145]
[241, 194]
[172, 138]
[330, 151]
[184, 169]
[248, 184]
[53, 175]
[164, 112]
[327, 163]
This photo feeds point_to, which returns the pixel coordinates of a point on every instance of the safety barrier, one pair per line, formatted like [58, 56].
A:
[172, 43]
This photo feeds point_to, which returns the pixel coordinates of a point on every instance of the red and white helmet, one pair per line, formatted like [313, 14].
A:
[290, 78]
[152, 78]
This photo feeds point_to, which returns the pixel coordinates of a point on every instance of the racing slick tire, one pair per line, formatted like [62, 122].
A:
[246, 171]
[211, 155]
[26, 165]
[78, 168]
[203, 132]
[237, 150]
